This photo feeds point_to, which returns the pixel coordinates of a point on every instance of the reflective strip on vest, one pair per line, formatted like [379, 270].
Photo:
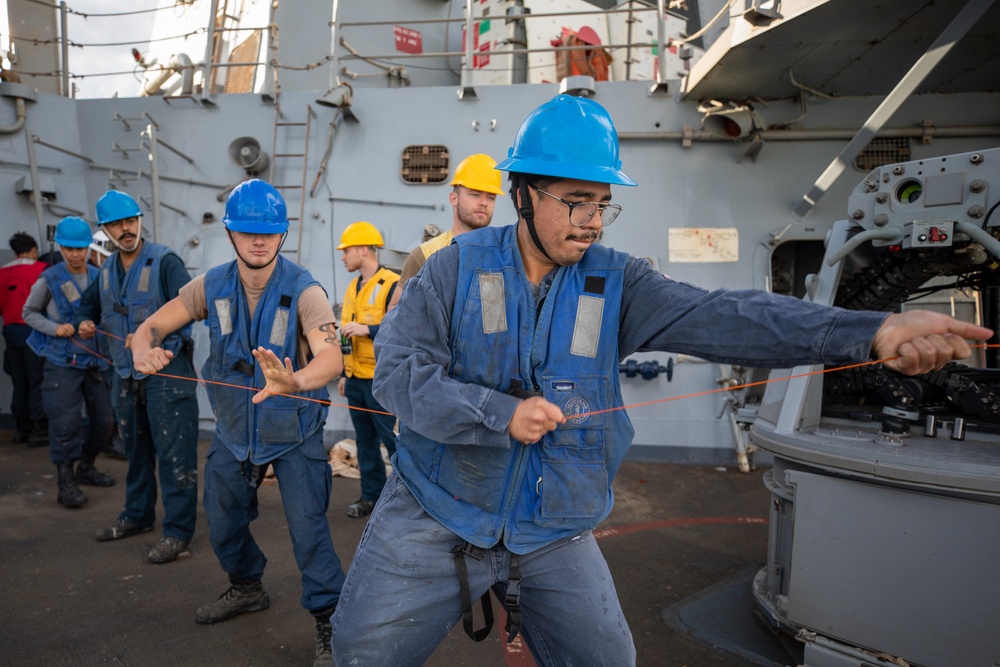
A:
[494, 302]
[279, 328]
[225, 316]
[587, 329]
[70, 291]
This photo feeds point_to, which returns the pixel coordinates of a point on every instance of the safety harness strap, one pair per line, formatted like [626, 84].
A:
[460, 552]
[513, 599]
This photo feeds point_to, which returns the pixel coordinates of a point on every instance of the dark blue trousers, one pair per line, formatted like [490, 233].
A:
[370, 429]
[65, 391]
[305, 481]
[158, 418]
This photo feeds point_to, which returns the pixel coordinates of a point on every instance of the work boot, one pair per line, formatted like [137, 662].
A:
[21, 432]
[245, 595]
[166, 550]
[70, 494]
[119, 529]
[324, 634]
[39, 433]
[359, 508]
[86, 473]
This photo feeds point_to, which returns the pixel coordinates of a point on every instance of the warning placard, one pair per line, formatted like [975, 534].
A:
[408, 40]
[704, 244]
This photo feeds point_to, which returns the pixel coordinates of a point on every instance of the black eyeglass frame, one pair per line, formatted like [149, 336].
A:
[598, 206]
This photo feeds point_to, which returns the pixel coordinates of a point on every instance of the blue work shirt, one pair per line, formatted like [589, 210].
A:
[745, 327]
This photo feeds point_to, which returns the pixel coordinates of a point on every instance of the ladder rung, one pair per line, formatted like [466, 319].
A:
[289, 155]
[288, 187]
[289, 124]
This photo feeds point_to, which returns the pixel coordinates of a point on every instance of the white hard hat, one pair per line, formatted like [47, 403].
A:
[100, 243]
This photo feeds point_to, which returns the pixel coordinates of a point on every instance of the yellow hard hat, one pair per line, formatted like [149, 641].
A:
[361, 233]
[477, 172]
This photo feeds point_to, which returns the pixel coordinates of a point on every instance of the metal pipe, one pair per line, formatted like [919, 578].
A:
[382, 202]
[602, 12]
[162, 177]
[466, 80]
[65, 49]
[190, 160]
[179, 63]
[61, 150]
[206, 71]
[36, 186]
[818, 135]
[22, 114]
[154, 179]
[661, 32]
[450, 54]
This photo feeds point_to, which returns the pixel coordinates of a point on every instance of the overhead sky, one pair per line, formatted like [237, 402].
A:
[108, 29]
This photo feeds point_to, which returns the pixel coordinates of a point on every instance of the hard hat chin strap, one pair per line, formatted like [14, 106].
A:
[138, 239]
[525, 211]
[248, 264]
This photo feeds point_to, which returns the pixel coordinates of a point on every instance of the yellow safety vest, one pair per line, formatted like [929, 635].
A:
[366, 305]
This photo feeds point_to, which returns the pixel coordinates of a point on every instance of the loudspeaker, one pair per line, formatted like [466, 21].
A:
[246, 152]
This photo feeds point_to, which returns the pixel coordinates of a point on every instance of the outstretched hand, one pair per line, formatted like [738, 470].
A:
[924, 340]
[280, 376]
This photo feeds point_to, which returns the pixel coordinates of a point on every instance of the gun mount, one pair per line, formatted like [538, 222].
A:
[885, 488]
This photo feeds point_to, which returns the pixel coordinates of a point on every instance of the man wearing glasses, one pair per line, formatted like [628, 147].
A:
[501, 362]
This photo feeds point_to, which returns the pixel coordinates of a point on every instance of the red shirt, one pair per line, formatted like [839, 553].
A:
[16, 280]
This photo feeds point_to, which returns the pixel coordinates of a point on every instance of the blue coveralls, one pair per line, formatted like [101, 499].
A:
[75, 375]
[157, 415]
[468, 329]
[283, 432]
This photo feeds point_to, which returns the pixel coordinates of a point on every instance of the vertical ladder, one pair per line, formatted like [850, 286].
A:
[284, 154]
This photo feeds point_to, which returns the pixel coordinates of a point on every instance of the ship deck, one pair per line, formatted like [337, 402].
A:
[683, 543]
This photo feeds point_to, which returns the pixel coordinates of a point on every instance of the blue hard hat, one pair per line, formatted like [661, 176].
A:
[256, 207]
[568, 137]
[73, 232]
[115, 205]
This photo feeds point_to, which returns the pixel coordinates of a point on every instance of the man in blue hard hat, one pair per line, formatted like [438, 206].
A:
[157, 416]
[271, 326]
[75, 374]
[501, 362]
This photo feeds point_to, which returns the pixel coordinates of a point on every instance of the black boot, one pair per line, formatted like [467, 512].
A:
[39, 433]
[22, 432]
[70, 494]
[244, 595]
[86, 473]
[324, 634]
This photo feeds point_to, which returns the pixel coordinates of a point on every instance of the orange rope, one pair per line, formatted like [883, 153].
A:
[575, 416]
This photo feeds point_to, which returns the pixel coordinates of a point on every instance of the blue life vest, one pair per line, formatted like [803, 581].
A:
[70, 352]
[261, 432]
[529, 495]
[126, 304]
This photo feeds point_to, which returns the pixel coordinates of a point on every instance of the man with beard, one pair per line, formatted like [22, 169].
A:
[365, 304]
[472, 198]
[270, 325]
[501, 361]
[157, 415]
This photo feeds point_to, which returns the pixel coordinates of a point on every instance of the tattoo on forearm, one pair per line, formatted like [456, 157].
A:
[331, 333]
[156, 338]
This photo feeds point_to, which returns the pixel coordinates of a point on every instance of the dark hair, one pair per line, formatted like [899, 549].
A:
[22, 242]
[534, 180]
